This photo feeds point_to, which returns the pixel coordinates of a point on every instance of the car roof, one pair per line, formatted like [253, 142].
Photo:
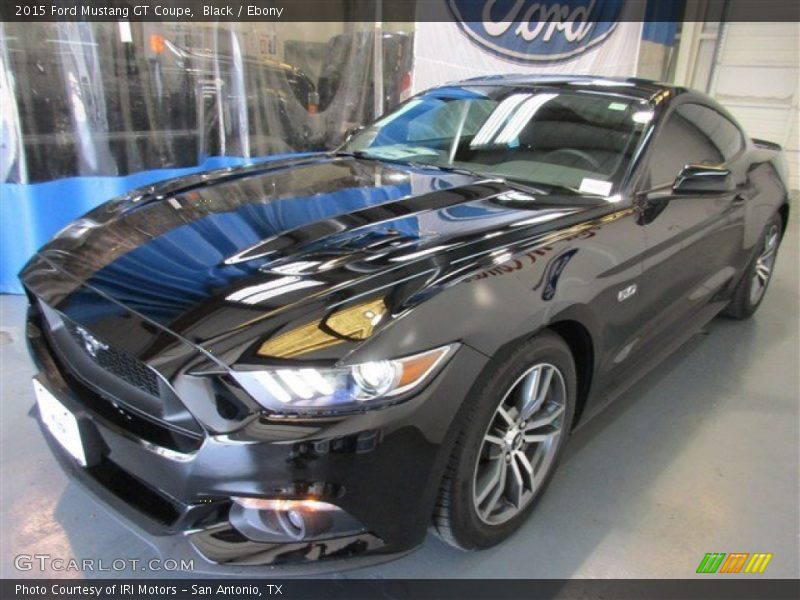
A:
[644, 89]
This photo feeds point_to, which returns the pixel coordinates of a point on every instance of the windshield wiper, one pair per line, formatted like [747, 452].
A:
[528, 186]
[411, 163]
[525, 185]
[356, 154]
[447, 168]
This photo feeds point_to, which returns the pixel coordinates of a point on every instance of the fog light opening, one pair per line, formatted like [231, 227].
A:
[278, 520]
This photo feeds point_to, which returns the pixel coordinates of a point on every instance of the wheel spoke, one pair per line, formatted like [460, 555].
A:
[538, 392]
[493, 479]
[516, 487]
[529, 392]
[762, 272]
[527, 468]
[546, 418]
[498, 490]
[772, 243]
[510, 421]
[541, 434]
[538, 454]
[493, 439]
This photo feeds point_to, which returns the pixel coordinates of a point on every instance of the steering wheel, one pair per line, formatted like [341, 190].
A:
[580, 154]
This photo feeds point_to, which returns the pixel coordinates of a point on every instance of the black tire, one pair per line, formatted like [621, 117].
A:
[743, 304]
[456, 516]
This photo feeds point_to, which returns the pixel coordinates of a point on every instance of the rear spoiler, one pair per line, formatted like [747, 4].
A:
[773, 153]
[767, 145]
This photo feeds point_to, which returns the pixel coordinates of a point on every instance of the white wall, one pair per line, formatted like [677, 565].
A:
[756, 76]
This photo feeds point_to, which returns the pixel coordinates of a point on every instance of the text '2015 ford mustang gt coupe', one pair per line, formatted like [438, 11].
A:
[315, 358]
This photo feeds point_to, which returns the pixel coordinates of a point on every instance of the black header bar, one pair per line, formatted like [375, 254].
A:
[708, 588]
[277, 11]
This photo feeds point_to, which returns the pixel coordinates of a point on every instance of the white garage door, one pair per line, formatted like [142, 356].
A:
[756, 77]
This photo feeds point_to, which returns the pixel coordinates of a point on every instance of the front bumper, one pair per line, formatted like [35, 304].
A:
[382, 467]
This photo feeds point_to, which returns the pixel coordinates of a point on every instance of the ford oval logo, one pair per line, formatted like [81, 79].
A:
[527, 30]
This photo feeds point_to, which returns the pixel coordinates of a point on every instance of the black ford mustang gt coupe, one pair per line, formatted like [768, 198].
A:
[313, 358]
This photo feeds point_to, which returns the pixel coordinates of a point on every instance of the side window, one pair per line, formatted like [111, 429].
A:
[726, 137]
[680, 143]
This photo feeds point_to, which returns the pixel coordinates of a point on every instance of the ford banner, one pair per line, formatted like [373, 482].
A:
[478, 37]
[536, 31]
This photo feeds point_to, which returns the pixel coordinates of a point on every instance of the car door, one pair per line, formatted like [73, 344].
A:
[693, 240]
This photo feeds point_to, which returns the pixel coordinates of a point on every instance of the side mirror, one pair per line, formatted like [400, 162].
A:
[699, 179]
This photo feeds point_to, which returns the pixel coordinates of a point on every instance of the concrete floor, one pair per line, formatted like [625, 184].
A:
[701, 456]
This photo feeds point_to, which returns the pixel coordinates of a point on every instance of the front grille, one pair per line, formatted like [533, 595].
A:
[114, 384]
[118, 363]
[143, 427]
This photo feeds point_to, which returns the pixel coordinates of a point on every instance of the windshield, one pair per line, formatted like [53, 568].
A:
[577, 141]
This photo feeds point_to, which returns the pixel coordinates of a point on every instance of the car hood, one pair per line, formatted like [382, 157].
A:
[230, 258]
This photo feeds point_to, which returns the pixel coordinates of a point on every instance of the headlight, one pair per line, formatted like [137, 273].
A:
[364, 385]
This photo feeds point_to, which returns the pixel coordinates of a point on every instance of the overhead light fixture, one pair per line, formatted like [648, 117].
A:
[496, 119]
[256, 294]
[522, 117]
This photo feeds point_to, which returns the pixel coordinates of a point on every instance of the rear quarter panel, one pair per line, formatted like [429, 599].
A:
[767, 174]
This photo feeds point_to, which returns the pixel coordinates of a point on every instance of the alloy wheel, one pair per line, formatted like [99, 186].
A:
[519, 445]
[764, 264]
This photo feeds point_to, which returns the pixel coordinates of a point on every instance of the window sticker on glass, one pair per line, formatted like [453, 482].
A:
[595, 186]
[617, 106]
